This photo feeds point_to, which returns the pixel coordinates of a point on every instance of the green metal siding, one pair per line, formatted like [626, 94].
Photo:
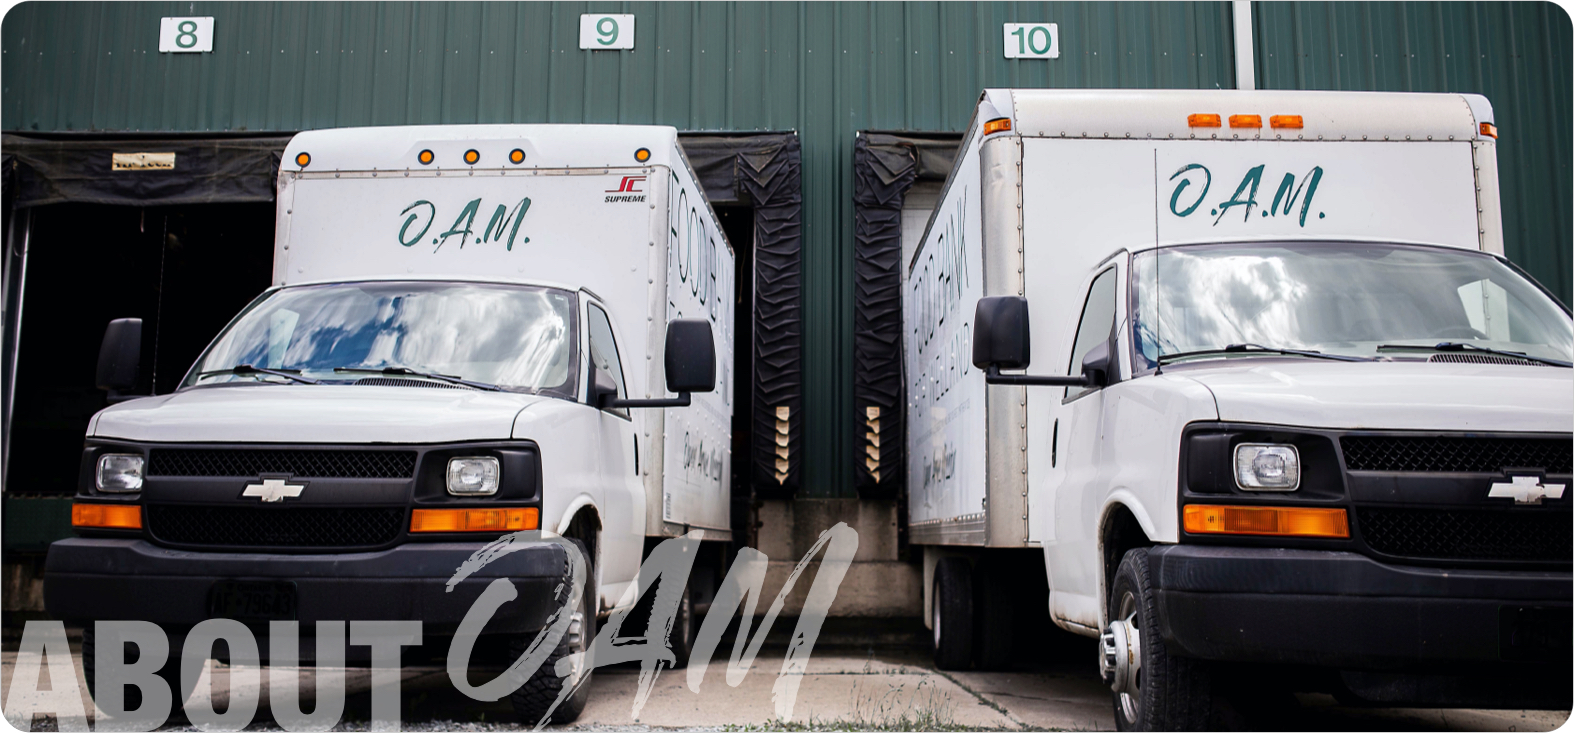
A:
[824, 69]
[1516, 54]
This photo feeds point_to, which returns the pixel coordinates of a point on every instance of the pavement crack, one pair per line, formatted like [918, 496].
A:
[984, 700]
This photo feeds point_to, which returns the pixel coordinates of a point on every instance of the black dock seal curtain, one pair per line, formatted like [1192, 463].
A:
[206, 171]
[885, 167]
[765, 171]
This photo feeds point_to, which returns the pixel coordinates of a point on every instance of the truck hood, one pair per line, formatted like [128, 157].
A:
[315, 414]
[1390, 395]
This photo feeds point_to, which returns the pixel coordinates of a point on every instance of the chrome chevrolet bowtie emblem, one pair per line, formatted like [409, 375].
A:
[1526, 490]
[273, 490]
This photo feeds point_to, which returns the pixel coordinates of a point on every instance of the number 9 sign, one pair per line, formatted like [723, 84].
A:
[606, 32]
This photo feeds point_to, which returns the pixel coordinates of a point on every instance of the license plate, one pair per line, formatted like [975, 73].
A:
[248, 600]
[1534, 632]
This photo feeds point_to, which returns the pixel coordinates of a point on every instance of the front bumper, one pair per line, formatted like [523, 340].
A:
[89, 579]
[1347, 611]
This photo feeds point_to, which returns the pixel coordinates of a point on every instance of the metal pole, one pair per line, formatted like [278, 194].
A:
[1245, 51]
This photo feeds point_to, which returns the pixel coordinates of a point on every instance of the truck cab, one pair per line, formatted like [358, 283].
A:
[477, 336]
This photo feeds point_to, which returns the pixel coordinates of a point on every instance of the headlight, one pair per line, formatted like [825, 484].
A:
[119, 472]
[1266, 467]
[473, 476]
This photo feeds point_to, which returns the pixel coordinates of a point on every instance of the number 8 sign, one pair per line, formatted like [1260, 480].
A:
[606, 32]
[185, 35]
[1032, 41]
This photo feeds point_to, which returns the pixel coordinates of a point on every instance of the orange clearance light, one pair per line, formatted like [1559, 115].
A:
[1285, 122]
[472, 157]
[999, 124]
[107, 516]
[1204, 120]
[1278, 521]
[475, 520]
[517, 156]
[303, 159]
[1489, 130]
[426, 157]
[1245, 120]
[642, 155]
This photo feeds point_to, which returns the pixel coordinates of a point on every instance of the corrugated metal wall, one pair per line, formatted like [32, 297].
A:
[824, 69]
[1517, 54]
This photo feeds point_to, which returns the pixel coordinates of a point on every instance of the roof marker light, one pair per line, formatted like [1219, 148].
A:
[472, 157]
[1245, 120]
[1285, 122]
[999, 124]
[1204, 120]
[425, 157]
[303, 159]
[1489, 130]
[642, 155]
[517, 156]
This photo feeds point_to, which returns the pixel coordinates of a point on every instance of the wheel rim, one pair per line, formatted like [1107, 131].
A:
[934, 615]
[577, 640]
[1130, 700]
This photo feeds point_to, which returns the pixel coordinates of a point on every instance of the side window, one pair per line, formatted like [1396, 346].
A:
[1098, 321]
[604, 351]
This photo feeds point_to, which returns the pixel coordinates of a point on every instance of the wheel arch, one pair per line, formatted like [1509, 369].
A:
[1122, 528]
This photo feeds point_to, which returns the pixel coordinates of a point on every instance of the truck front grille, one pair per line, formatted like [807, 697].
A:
[293, 527]
[1440, 454]
[250, 463]
[1512, 535]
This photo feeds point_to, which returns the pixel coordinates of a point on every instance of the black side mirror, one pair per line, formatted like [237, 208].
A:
[603, 390]
[691, 356]
[1000, 333]
[1095, 365]
[120, 357]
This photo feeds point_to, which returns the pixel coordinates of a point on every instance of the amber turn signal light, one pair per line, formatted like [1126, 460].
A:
[1285, 122]
[999, 124]
[1292, 521]
[1489, 130]
[475, 520]
[1204, 120]
[1245, 120]
[107, 516]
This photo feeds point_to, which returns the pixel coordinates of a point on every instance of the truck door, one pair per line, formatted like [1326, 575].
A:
[623, 531]
[1077, 477]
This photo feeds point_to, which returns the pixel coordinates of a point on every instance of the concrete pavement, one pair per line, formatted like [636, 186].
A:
[844, 688]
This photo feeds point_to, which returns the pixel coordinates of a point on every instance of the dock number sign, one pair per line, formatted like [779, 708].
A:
[185, 35]
[1032, 41]
[606, 32]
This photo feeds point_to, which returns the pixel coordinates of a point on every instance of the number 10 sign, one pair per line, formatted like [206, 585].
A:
[606, 32]
[1032, 41]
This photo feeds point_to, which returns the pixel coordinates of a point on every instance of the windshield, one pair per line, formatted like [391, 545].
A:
[1338, 298]
[512, 336]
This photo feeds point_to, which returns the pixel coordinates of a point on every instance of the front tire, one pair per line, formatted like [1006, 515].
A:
[170, 673]
[1162, 692]
[535, 697]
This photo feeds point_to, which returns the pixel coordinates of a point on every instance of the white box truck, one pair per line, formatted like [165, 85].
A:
[1292, 419]
[472, 330]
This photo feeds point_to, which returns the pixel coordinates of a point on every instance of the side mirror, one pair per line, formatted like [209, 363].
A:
[691, 356]
[1095, 365]
[603, 390]
[1000, 333]
[120, 357]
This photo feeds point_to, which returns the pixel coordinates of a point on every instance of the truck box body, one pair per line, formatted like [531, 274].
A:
[1179, 219]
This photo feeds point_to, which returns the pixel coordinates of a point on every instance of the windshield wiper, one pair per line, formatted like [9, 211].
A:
[244, 369]
[1258, 349]
[1456, 346]
[407, 371]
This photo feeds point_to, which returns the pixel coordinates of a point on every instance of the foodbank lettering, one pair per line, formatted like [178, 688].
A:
[419, 216]
[1193, 182]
